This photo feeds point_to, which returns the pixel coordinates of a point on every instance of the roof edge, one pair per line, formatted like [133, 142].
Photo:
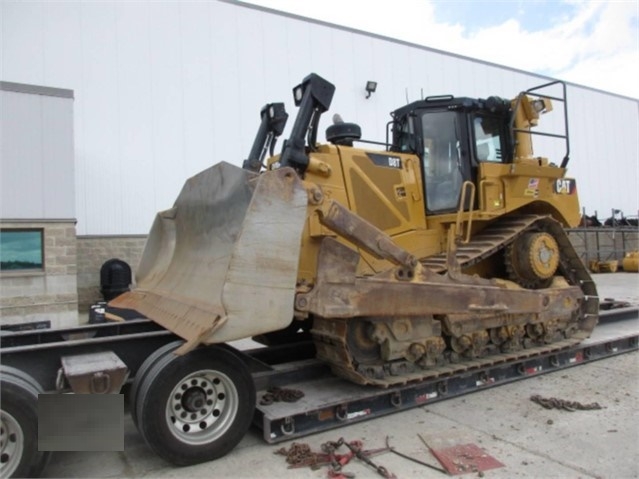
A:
[35, 89]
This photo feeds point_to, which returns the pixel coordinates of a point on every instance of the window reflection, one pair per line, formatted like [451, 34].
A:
[21, 250]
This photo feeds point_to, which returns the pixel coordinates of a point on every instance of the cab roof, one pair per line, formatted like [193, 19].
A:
[492, 104]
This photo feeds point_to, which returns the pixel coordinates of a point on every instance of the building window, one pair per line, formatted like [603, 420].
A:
[21, 250]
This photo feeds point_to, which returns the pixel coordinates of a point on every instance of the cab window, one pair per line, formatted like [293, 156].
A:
[488, 139]
[441, 160]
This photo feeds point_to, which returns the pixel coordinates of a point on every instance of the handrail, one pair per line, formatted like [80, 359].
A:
[563, 99]
[460, 211]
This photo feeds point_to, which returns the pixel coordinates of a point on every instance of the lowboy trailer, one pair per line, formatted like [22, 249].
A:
[41, 361]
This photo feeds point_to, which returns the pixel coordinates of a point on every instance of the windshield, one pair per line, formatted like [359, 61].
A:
[443, 178]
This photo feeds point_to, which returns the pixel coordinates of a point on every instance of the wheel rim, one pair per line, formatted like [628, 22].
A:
[11, 444]
[544, 255]
[201, 407]
[533, 259]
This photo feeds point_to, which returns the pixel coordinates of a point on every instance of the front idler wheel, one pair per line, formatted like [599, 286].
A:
[532, 259]
[197, 407]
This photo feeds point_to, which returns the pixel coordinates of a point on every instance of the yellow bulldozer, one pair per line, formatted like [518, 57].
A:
[441, 249]
[446, 245]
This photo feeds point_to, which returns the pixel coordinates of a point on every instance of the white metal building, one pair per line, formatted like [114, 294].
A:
[163, 90]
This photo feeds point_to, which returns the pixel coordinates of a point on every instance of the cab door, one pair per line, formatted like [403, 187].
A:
[489, 144]
[445, 159]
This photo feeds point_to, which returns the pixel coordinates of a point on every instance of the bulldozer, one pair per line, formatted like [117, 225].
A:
[439, 250]
[442, 245]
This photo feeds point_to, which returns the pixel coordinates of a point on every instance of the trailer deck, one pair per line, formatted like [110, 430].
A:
[330, 402]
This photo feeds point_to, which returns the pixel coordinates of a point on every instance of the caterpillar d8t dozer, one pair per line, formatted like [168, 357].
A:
[439, 250]
[444, 246]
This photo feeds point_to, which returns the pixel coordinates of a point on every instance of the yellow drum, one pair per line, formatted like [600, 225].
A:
[631, 262]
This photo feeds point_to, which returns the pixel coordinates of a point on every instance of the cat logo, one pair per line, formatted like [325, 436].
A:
[565, 186]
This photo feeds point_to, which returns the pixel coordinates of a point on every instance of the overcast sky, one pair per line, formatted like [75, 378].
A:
[589, 42]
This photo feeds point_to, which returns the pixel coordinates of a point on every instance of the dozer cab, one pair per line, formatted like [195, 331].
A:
[443, 245]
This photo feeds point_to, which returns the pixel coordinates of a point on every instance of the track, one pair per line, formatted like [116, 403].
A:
[333, 336]
[332, 402]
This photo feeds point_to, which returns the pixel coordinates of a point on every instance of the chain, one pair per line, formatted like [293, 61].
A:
[554, 403]
[335, 463]
[301, 455]
[298, 454]
[276, 394]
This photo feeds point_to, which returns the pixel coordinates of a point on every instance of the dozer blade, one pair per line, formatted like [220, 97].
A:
[222, 263]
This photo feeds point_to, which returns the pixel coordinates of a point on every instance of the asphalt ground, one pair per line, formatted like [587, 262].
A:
[529, 440]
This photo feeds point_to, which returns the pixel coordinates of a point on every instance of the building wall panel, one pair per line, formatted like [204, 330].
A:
[605, 149]
[136, 144]
[36, 148]
[62, 51]
[22, 156]
[198, 95]
[56, 162]
[163, 90]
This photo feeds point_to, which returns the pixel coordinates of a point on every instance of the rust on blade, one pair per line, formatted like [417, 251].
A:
[185, 317]
[386, 296]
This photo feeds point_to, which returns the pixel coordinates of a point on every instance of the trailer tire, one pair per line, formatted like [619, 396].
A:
[17, 373]
[197, 407]
[19, 456]
[143, 370]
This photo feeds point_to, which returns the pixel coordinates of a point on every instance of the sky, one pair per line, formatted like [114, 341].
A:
[588, 42]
